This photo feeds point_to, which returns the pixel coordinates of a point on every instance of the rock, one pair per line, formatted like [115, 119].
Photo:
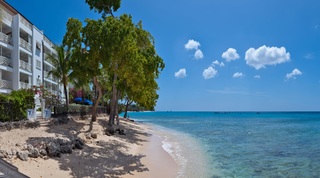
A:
[60, 120]
[43, 152]
[9, 126]
[78, 143]
[88, 136]
[13, 152]
[9, 153]
[94, 135]
[34, 153]
[121, 132]
[53, 149]
[66, 149]
[63, 141]
[110, 131]
[32, 124]
[78, 140]
[23, 156]
[3, 154]
[78, 146]
[29, 147]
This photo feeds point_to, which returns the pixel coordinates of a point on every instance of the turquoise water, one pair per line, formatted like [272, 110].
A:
[241, 144]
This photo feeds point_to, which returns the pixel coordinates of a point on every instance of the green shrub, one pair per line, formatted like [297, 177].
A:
[14, 106]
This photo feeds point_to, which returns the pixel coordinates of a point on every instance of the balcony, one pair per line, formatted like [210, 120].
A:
[5, 15]
[48, 42]
[25, 22]
[25, 85]
[26, 66]
[46, 58]
[5, 84]
[47, 76]
[5, 38]
[25, 44]
[5, 61]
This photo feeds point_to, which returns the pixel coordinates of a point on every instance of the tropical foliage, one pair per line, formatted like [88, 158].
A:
[114, 55]
[14, 106]
[61, 61]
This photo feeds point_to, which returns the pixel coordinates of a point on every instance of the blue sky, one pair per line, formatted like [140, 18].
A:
[220, 55]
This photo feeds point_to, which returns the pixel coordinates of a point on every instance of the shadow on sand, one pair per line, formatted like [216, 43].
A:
[103, 158]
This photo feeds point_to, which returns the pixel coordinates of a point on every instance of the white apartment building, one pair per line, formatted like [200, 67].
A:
[23, 52]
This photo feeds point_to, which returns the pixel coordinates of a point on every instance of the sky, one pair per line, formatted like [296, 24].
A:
[220, 55]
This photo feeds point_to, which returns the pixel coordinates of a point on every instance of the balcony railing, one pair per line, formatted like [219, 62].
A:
[24, 65]
[5, 38]
[46, 58]
[5, 61]
[5, 84]
[25, 22]
[48, 42]
[25, 85]
[55, 79]
[5, 14]
[25, 44]
[47, 76]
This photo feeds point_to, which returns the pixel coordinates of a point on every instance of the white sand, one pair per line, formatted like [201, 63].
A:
[136, 154]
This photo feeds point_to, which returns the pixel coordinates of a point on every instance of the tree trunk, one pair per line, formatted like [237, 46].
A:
[127, 106]
[96, 103]
[113, 101]
[66, 95]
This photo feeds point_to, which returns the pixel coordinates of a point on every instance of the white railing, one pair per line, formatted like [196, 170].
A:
[47, 76]
[48, 42]
[55, 79]
[24, 65]
[25, 44]
[5, 38]
[25, 85]
[5, 14]
[25, 22]
[5, 61]
[46, 58]
[5, 84]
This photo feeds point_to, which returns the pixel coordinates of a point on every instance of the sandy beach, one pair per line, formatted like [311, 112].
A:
[139, 153]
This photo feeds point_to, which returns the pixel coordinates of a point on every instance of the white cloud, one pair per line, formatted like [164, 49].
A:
[293, 74]
[230, 54]
[198, 54]
[182, 73]
[309, 56]
[257, 76]
[259, 58]
[216, 62]
[210, 72]
[238, 75]
[192, 45]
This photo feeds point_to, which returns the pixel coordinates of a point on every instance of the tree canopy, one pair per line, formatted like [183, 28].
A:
[115, 54]
[104, 7]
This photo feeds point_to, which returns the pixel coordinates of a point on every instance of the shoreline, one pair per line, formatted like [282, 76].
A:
[139, 153]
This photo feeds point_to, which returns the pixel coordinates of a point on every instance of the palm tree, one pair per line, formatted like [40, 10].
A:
[62, 68]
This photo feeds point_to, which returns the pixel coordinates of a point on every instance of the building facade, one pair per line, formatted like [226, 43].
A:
[23, 54]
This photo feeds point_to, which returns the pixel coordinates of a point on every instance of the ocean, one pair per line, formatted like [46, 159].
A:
[239, 144]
